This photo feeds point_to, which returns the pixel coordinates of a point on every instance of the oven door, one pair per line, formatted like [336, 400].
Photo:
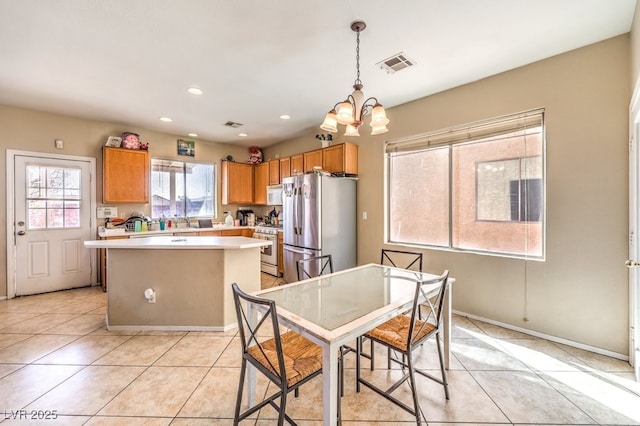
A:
[268, 254]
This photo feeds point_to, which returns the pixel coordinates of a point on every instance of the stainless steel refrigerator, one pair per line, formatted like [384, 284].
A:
[319, 217]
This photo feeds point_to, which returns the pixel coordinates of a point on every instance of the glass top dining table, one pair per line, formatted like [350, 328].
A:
[334, 309]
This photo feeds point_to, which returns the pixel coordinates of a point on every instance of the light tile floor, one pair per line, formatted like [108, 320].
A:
[57, 359]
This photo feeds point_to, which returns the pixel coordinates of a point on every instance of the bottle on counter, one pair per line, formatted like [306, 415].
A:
[228, 220]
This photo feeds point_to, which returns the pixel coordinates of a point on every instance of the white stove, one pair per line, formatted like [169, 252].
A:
[269, 254]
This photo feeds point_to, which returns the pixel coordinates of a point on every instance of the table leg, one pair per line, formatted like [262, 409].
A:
[447, 327]
[330, 385]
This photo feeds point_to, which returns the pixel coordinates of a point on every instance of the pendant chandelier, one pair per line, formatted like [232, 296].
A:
[352, 110]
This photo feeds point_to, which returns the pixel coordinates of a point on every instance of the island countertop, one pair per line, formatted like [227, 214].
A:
[178, 242]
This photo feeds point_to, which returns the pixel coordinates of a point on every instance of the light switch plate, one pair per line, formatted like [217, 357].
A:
[107, 212]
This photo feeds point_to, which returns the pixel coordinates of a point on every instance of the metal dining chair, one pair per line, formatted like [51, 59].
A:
[410, 260]
[402, 335]
[314, 266]
[288, 360]
[402, 259]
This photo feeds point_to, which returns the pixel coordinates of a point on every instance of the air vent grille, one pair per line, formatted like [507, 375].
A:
[396, 63]
[232, 124]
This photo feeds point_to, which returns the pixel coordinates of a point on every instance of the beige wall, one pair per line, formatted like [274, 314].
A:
[580, 292]
[29, 130]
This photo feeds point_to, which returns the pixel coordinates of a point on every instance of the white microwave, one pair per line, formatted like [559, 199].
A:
[274, 195]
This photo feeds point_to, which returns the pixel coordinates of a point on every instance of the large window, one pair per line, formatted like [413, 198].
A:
[183, 189]
[479, 187]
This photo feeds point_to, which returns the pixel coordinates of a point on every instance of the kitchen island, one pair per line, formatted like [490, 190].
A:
[189, 280]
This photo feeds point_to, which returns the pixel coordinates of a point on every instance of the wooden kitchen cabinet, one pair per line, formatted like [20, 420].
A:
[209, 233]
[312, 159]
[297, 164]
[237, 183]
[274, 172]
[125, 175]
[243, 232]
[341, 158]
[261, 182]
[285, 168]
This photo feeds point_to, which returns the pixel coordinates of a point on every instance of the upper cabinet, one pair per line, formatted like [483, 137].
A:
[261, 182]
[274, 172]
[285, 168]
[297, 164]
[341, 158]
[125, 175]
[237, 183]
[247, 183]
[312, 159]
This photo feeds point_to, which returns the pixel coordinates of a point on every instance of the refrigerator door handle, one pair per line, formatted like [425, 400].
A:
[295, 250]
[294, 215]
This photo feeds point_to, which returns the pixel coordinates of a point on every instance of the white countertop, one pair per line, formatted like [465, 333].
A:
[104, 232]
[178, 242]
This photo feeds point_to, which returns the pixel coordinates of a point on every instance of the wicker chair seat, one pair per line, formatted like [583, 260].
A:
[395, 332]
[301, 356]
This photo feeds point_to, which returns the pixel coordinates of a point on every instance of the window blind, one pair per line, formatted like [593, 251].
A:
[469, 132]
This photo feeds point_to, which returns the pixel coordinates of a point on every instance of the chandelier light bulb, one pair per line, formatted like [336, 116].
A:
[330, 122]
[378, 116]
[351, 130]
[379, 130]
[345, 113]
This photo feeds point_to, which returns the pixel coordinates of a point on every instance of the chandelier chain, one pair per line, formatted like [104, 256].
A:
[358, 58]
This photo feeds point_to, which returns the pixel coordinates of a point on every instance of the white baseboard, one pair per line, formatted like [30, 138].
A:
[571, 343]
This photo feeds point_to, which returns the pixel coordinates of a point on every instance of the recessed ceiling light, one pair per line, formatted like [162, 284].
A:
[166, 119]
[285, 116]
[193, 135]
[242, 135]
[194, 91]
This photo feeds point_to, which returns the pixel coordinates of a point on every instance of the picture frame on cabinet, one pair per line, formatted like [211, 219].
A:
[186, 148]
[114, 141]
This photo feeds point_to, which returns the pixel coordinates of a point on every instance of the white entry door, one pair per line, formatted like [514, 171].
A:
[634, 233]
[52, 219]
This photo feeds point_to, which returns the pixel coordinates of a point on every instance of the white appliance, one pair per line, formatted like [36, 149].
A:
[268, 254]
[274, 195]
[319, 218]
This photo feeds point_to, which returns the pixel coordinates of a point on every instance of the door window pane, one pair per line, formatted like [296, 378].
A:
[53, 197]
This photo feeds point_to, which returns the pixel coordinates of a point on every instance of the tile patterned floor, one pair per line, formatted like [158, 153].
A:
[57, 357]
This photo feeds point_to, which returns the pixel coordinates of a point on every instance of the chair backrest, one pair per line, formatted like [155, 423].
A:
[314, 266]
[419, 329]
[254, 336]
[402, 259]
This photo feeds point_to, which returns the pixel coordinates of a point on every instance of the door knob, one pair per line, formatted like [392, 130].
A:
[21, 232]
[631, 263]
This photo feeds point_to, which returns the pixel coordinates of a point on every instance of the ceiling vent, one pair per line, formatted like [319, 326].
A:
[232, 124]
[395, 63]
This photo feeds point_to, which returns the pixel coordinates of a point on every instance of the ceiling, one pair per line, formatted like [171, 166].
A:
[131, 62]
